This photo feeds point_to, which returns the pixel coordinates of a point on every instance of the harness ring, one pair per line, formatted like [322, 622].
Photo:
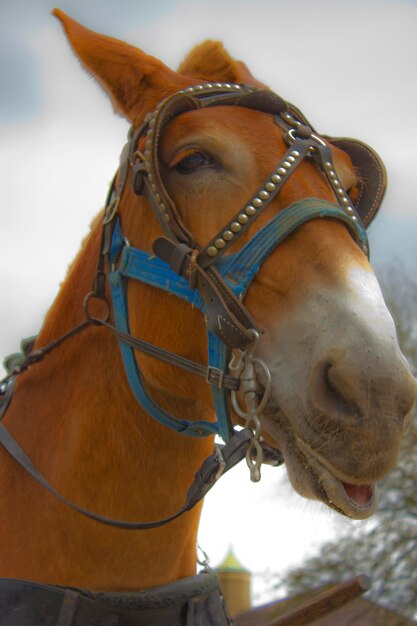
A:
[91, 318]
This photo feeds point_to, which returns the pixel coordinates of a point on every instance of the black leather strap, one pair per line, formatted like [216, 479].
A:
[211, 375]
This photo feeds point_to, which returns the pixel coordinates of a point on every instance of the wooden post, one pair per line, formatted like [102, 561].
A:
[325, 603]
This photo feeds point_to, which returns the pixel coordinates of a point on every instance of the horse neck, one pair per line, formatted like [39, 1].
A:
[88, 432]
[157, 317]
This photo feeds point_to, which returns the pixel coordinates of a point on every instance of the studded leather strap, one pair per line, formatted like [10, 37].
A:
[244, 218]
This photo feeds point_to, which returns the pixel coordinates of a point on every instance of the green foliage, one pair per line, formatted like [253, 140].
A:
[400, 293]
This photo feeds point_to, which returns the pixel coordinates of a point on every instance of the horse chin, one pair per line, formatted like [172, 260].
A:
[314, 477]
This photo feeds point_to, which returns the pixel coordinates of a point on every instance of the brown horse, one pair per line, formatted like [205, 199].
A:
[341, 391]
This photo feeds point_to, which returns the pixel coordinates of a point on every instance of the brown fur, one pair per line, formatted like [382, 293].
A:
[210, 61]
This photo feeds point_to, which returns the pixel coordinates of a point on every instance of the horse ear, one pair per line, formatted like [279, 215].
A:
[134, 80]
[211, 62]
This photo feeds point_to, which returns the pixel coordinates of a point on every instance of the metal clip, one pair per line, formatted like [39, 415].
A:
[125, 243]
[203, 558]
[250, 387]
[220, 459]
[254, 459]
[244, 365]
[215, 376]
[237, 362]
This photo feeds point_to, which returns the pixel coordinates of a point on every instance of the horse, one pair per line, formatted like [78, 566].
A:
[113, 405]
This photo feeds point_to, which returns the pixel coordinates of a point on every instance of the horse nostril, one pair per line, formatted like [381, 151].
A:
[333, 391]
[358, 390]
[340, 390]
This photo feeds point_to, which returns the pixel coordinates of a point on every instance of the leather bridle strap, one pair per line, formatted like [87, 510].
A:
[220, 461]
[210, 374]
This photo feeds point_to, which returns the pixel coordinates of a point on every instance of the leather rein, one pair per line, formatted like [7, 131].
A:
[206, 277]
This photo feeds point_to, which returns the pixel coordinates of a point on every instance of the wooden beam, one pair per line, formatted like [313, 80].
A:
[324, 603]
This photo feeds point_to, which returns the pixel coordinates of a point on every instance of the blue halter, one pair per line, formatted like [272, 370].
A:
[237, 269]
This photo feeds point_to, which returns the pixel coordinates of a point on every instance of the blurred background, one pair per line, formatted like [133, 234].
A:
[349, 66]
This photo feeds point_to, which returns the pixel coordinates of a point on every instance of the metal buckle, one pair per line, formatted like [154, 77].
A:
[111, 211]
[215, 376]
[125, 244]
[293, 134]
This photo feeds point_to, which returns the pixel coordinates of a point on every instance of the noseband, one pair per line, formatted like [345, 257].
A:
[208, 276]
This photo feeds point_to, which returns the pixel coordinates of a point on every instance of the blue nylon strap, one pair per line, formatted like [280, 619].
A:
[237, 269]
[243, 266]
[218, 356]
[146, 268]
[185, 427]
[117, 242]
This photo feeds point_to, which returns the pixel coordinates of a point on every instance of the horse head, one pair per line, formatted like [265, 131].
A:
[341, 390]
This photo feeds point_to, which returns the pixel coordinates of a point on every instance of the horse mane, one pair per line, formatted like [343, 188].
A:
[210, 61]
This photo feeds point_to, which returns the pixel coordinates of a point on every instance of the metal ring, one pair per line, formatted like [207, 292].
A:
[90, 296]
[249, 413]
[237, 408]
[256, 338]
[291, 134]
[318, 139]
[267, 386]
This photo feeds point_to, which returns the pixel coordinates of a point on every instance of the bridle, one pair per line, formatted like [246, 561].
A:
[204, 274]
[207, 277]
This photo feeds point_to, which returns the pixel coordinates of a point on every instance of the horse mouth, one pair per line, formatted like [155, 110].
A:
[357, 500]
[315, 477]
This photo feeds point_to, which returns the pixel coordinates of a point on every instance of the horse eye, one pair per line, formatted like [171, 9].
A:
[193, 162]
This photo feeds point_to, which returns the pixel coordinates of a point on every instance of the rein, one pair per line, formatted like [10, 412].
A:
[206, 277]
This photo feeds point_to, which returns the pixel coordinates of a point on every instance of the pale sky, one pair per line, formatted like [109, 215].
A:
[348, 64]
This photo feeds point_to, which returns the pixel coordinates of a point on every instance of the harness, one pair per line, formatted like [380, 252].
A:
[195, 601]
[210, 278]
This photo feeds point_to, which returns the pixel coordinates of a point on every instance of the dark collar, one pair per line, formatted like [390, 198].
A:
[195, 601]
